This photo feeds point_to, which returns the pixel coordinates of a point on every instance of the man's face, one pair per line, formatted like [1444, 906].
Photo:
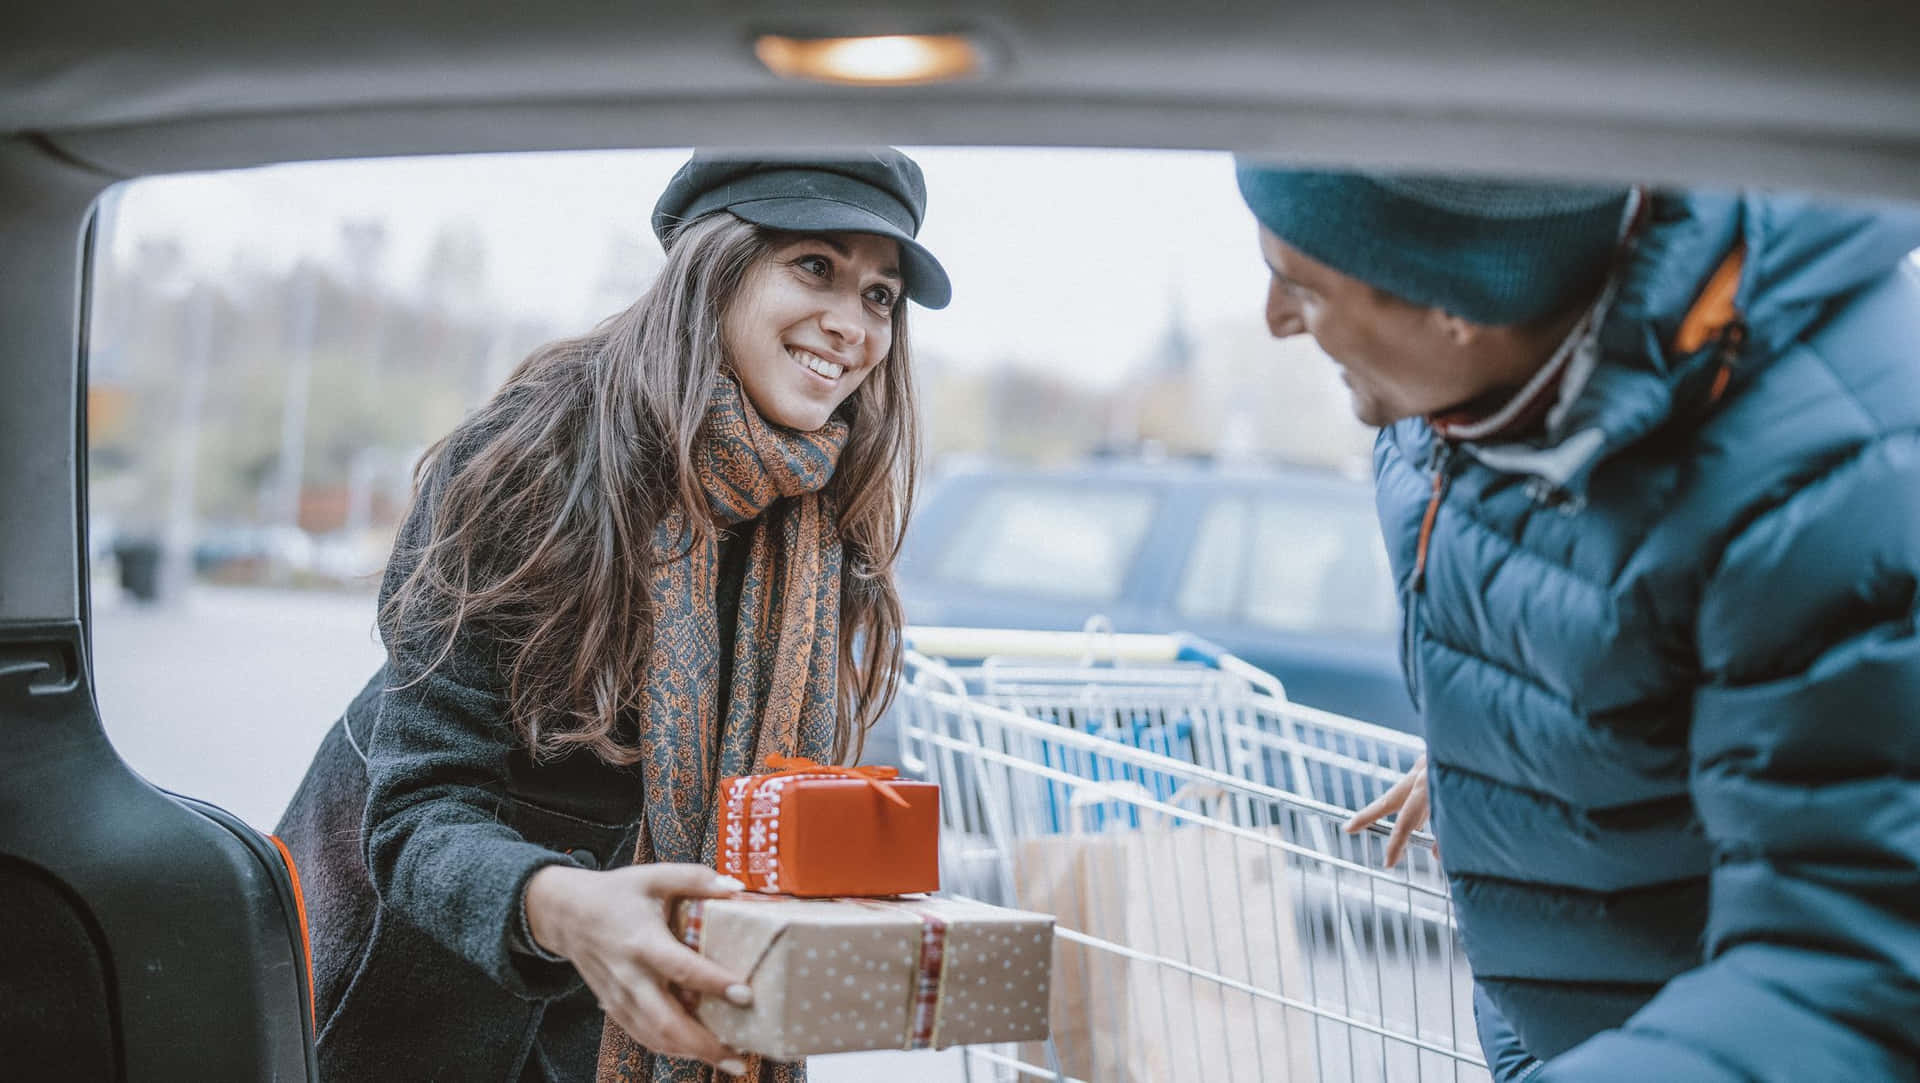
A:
[1398, 359]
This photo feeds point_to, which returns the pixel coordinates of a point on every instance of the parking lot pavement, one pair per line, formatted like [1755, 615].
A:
[225, 694]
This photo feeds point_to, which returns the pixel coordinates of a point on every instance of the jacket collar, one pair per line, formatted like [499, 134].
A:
[1650, 364]
[1526, 433]
[1524, 410]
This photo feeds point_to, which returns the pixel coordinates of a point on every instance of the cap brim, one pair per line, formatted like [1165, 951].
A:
[927, 281]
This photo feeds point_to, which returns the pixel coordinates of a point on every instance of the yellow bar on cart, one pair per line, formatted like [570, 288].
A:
[973, 643]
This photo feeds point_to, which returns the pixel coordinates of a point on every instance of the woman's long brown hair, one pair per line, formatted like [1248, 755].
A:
[540, 510]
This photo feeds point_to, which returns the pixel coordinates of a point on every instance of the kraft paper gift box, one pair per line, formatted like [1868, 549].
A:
[818, 830]
[837, 975]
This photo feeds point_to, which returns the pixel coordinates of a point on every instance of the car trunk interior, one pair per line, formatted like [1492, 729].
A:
[100, 872]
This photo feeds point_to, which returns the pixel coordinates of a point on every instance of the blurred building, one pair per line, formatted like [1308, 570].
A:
[1232, 392]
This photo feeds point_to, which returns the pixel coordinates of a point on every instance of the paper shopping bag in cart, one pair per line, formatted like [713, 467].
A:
[1190, 905]
[1080, 879]
[1213, 910]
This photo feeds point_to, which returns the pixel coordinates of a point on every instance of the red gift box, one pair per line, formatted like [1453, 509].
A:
[817, 830]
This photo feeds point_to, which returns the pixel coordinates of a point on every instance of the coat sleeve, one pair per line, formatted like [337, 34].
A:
[1805, 768]
[439, 847]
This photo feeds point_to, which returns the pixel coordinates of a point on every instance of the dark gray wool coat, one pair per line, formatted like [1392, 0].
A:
[415, 831]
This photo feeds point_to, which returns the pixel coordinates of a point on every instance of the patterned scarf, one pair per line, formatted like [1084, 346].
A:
[763, 483]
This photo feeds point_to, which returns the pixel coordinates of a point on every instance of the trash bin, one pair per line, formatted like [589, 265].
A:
[139, 560]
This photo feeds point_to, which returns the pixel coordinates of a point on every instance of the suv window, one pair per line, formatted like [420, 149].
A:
[1048, 541]
[1297, 566]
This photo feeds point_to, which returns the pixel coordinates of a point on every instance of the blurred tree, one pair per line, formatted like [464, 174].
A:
[455, 274]
[1033, 416]
[1277, 400]
[451, 285]
[246, 398]
[627, 268]
[363, 241]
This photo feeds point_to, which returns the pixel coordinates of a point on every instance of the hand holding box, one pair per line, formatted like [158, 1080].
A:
[832, 976]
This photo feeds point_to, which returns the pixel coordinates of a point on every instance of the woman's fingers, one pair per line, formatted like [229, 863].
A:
[666, 957]
[638, 1004]
[616, 925]
[662, 1025]
[687, 969]
[685, 881]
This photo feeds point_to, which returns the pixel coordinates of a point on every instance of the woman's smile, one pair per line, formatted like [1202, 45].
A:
[828, 371]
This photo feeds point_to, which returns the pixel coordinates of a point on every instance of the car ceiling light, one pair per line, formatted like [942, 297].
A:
[878, 60]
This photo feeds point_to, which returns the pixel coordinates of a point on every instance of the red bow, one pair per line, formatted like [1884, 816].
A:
[874, 776]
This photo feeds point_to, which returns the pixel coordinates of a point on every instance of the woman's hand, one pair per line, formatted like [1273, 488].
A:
[612, 926]
[1408, 798]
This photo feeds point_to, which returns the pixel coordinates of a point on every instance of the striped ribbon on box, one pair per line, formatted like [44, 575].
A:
[926, 986]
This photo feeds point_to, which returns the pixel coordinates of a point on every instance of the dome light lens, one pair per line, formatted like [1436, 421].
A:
[882, 60]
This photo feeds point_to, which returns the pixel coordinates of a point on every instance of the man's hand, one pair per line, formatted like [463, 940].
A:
[1408, 798]
[612, 926]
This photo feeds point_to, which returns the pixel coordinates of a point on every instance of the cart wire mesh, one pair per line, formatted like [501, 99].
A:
[1183, 821]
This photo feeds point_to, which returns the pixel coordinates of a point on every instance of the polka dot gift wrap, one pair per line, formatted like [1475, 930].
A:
[838, 975]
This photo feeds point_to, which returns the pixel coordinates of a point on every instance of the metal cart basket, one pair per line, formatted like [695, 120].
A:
[1183, 820]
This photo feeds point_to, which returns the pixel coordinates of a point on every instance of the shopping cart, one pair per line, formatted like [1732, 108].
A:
[1183, 821]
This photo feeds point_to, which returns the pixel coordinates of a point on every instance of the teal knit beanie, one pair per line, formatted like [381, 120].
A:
[1492, 252]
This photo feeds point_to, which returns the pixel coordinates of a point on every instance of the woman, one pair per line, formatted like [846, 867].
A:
[660, 554]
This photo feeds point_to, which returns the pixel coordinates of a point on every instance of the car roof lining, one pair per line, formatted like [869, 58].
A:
[1713, 91]
[1518, 145]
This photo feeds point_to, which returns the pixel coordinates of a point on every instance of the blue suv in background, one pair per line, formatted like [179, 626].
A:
[1283, 567]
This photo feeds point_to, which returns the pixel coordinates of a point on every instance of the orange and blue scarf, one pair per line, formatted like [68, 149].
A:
[764, 484]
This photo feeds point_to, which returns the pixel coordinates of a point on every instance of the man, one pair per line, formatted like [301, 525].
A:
[1650, 480]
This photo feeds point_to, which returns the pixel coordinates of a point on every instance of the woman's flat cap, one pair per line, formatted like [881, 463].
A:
[879, 191]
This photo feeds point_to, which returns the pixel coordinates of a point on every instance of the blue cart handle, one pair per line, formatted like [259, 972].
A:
[1191, 648]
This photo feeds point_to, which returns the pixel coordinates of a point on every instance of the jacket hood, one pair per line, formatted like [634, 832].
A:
[1801, 256]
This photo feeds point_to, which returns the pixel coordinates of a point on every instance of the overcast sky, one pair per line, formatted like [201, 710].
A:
[1060, 258]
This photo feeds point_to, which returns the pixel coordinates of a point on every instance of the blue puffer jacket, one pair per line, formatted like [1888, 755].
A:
[1668, 661]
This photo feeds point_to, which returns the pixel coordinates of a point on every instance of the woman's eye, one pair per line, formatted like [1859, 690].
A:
[882, 296]
[815, 265]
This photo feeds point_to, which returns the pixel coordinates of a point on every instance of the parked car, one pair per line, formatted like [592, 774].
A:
[1283, 567]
